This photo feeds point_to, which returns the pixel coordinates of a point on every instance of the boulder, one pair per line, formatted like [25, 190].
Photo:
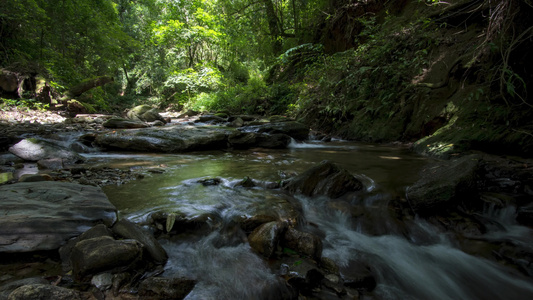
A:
[444, 183]
[100, 254]
[145, 113]
[44, 215]
[525, 215]
[264, 239]
[7, 288]
[44, 291]
[293, 129]
[32, 149]
[172, 139]
[165, 288]
[121, 123]
[325, 179]
[246, 140]
[303, 242]
[129, 230]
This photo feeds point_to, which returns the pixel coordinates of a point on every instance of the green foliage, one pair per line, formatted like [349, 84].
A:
[22, 104]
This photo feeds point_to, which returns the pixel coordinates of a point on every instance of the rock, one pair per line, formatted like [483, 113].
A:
[237, 122]
[358, 275]
[264, 239]
[43, 291]
[6, 177]
[65, 251]
[120, 123]
[102, 281]
[303, 242]
[50, 164]
[100, 254]
[129, 230]
[171, 139]
[211, 119]
[293, 129]
[242, 140]
[35, 178]
[444, 183]
[525, 215]
[44, 215]
[273, 141]
[326, 179]
[32, 149]
[7, 288]
[145, 113]
[165, 288]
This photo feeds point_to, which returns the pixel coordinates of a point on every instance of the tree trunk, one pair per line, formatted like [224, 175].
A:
[86, 85]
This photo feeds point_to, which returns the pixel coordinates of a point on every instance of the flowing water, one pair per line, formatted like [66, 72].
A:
[409, 261]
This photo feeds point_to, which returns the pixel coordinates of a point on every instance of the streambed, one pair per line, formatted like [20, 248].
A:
[412, 260]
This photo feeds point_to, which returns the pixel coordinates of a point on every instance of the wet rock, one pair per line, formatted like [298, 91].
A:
[129, 230]
[35, 178]
[120, 123]
[237, 122]
[264, 239]
[7, 288]
[242, 140]
[211, 119]
[171, 139]
[43, 291]
[248, 224]
[525, 215]
[329, 265]
[166, 288]
[50, 164]
[358, 275]
[273, 141]
[324, 179]
[445, 183]
[102, 281]
[65, 251]
[44, 215]
[95, 255]
[303, 242]
[210, 181]
[293, 129]
[34, 150]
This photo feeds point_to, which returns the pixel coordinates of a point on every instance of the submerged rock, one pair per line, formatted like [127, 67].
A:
[325, 179]
[44, 215]
[444, 183]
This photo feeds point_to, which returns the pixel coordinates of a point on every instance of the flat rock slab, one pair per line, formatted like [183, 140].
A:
[44, 215]
[170, 139]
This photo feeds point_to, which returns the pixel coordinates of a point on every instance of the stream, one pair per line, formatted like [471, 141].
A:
[409, 261]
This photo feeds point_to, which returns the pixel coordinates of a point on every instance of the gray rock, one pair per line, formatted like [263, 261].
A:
[7, 288]
[43, 291]
[121, 123]
[171, 139]
[264, 239]
[44, 215]
[144, 113]
[444, 183]
[166, 288]
[129, 230]
[100, 254]
[303, 242]
[293, 129]
[326, 179]
[32, 149]
[102, 281]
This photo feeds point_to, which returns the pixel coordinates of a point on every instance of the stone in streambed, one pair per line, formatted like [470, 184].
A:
[32, 149]
[129, 230]
[325, 179]
[264, 239]
[44, 291]
[44, 215]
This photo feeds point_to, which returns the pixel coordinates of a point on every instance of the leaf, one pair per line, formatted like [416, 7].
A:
[171, 219]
